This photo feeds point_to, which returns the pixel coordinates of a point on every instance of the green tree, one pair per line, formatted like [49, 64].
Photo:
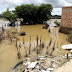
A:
[27, 12]
[34, 14]
[44, 12]
[10, 15]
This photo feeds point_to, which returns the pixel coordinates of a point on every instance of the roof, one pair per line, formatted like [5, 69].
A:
[32, 65]
[67, 7]
[68, 46]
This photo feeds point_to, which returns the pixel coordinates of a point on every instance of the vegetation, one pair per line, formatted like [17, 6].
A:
[57, 23]
[34, 14]
[56, 17]
[10, 15]
[69, 37]
[45, 25]
[1, 16]
[30, 13]
[67, 31]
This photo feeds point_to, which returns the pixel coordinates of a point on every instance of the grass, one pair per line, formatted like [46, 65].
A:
[3, 19]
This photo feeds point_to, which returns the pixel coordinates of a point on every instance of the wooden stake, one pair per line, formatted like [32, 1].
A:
[30, 45]
[40, 42]
[23, 40]
[25, 52]
[37, 46]
[16, 42]
[53, 49]
[47, 50]
[19, 45]
[50, 42]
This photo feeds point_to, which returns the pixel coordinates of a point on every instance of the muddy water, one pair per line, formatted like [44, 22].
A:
[8, 52]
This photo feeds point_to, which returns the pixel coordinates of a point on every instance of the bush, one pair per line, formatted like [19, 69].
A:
[65, 30]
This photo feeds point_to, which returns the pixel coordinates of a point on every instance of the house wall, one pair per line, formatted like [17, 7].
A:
[66, 18]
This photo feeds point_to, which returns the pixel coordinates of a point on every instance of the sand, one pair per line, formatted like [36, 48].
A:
[67, 67]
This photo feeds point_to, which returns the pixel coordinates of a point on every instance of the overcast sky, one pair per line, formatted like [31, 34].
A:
[57, 4]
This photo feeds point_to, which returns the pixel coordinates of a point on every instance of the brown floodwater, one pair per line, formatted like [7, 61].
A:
[8, 51]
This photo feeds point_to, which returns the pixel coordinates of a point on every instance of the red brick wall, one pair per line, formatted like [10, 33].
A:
[66, 18]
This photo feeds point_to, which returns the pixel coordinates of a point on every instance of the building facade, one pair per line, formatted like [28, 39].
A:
[66, 18]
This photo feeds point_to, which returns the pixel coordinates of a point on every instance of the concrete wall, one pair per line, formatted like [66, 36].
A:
[66, 18]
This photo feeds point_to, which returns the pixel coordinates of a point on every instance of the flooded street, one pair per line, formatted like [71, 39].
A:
[8, 51]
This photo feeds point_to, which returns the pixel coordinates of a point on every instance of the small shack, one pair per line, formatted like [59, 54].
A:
[49, 23]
